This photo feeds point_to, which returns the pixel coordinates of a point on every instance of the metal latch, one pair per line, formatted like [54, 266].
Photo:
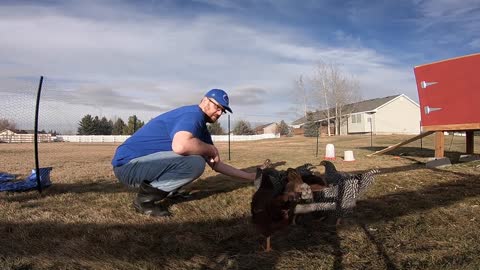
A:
[429, 110]
[425, 84]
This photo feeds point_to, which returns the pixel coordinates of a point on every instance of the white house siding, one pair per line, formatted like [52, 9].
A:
[359, 125]
[400, 116]
[272, 129]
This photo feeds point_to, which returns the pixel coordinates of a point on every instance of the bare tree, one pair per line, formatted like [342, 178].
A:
[215, 128]
[7, 124]
[301, 96]
[243, 127]
[333, 91]
[347, 93]
[321, 86]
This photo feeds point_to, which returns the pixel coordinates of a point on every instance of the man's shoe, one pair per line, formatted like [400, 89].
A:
[146, 198]
[151, 209]
[147, 193]
[180, 195]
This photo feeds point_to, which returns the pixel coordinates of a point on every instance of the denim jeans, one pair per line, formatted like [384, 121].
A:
[164, 170]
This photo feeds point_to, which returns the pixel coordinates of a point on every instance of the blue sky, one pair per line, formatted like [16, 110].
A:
[146, 57]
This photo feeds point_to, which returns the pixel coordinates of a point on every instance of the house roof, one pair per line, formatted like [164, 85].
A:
[358, 107]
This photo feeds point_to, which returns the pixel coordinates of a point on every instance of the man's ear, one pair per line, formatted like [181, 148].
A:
[203, 103]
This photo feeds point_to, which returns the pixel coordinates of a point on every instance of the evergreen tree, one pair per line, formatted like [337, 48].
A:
[311, 127]
[243, 128]
[133, 125]
[283, 128]
[86, 126]
[215, 128]
[118, 127]
[104, 127]
[96, 126]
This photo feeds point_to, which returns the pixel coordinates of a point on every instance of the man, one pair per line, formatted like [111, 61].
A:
[170, 151]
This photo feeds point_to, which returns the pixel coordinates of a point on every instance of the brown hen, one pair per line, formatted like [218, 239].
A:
[270, 211]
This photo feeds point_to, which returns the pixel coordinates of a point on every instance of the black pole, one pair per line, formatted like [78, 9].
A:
[371, 133]
[37, 163]
[229, 137]
[318, 133]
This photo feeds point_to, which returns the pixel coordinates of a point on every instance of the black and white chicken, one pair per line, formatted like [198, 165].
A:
[341, 194]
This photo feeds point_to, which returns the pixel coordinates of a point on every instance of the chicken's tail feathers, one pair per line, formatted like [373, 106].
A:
[305, 169]
[366, 180]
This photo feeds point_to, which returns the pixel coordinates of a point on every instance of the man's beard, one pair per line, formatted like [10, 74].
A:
[210, 120]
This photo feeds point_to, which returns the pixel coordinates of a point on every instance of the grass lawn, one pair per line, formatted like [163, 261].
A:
[412, 217]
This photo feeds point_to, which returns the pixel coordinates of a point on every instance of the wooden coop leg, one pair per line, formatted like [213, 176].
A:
[469, 142]
[439, 144]
[267, 245]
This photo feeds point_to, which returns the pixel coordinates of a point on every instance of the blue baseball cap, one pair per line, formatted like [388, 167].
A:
[220, 97]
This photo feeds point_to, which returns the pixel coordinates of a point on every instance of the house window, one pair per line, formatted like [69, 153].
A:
[356, 118]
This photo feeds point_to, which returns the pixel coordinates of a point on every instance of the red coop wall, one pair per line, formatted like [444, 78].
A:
[449, 93]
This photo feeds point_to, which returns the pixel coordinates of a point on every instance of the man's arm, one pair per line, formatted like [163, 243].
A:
[184, 143]
[231, 171]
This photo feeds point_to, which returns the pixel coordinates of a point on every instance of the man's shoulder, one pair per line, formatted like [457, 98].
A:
[194, 109]
[189, 112]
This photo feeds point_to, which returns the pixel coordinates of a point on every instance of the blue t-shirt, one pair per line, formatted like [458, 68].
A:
[157, 134]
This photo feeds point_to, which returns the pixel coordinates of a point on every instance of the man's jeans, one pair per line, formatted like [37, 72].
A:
[164, 170]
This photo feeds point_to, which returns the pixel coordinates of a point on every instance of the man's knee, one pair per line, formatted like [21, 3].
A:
[197, 165]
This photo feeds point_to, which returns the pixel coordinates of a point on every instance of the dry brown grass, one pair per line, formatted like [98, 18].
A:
[411, 218]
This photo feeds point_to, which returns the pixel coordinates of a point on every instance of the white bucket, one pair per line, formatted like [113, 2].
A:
[348, 156]
[330, 151]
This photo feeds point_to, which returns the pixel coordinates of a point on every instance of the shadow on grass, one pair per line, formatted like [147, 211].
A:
[454, 156]
[204, 188]
[100, 186]
[394, 205]
[214, 244]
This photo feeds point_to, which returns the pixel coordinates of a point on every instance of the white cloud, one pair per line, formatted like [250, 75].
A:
[475, 44]
[148, 64]
[461, 15]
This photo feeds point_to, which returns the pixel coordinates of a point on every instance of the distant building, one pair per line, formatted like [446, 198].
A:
[388, 115]
[22, 136]
[270, 128]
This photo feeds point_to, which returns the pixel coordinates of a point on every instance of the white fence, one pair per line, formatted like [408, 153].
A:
[24, 138]
[239, 138]
[92, 138]
[122, 138]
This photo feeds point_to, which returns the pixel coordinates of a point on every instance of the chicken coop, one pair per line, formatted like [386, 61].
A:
[449, 94]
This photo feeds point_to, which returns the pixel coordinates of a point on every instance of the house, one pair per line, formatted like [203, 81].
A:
[387, 115]
[6, 135]
[6, 132]
[270, 128]
[22, 136]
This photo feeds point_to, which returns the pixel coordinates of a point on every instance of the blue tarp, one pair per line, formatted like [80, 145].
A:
[5, 177]
[8, 183]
